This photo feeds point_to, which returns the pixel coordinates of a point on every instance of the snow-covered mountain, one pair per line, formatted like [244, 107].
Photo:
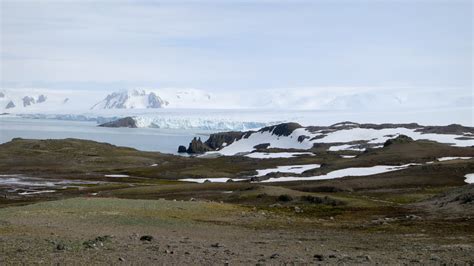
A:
[156, 98]
[133, 99]
[325, 99]
[45, 100]
[241, 110]
[67, 101]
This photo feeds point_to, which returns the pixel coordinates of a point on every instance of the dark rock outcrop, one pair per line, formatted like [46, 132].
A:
[27, 101]
[122, 122]
[388, 125]
[2, 95]
[217, 140]
[284, 129]
[115, 100]
[261, 146]
[41, 98]
[302, 138]
[399, 139]
[154, 101]
[10, 105]
[182, 149]
[449, 129]
[197, 146]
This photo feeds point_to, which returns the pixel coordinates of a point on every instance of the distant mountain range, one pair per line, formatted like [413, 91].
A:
[66, 101]
[37, 100]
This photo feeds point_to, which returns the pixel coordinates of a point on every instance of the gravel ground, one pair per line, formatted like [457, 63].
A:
[116, 231]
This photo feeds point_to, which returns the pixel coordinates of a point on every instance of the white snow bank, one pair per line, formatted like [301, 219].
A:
[296, 169]
[348, 156]
[345, 147]
[377, 136]
[353, 171]
[469, 178]
[282, 142]
[268, 155]
[116, 175]
[442, 159]
[36, 192]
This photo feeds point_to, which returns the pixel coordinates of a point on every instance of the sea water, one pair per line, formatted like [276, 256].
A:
[145, 139]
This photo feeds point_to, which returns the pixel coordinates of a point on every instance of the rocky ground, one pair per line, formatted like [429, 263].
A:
[142, 215]
[112, 231]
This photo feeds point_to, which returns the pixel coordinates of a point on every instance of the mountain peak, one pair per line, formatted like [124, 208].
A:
[131, 99]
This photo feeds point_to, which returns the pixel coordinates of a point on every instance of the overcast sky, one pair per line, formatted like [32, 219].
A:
[228, 45]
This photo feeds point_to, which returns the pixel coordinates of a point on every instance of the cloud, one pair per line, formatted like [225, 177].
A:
[239, 44]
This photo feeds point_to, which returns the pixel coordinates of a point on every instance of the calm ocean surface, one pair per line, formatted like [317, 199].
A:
[146, 139]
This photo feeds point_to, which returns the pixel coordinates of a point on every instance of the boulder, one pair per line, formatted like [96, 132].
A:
[181, 149]
[146, 238]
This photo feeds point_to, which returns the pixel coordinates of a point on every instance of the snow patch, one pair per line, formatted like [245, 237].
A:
[379, 136]
[295, 169]
[348, 156]
[272, 155]
[36, 192]
[442, 159]
[469, 178]
[353, 171]
[116, 175]
[275, 141]
[345, 147]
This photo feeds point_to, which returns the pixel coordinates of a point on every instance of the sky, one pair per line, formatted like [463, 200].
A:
[236, 45]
